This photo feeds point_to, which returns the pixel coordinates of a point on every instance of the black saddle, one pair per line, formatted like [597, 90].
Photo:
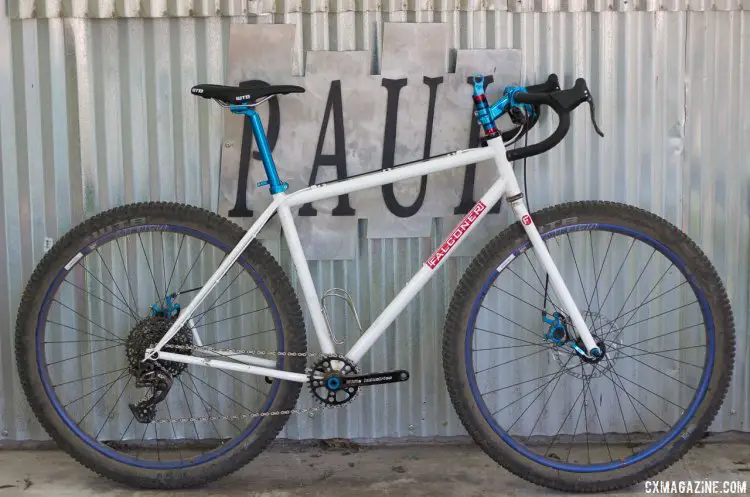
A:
[235, 95]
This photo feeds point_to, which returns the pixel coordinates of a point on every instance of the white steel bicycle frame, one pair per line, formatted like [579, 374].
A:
[506, 185]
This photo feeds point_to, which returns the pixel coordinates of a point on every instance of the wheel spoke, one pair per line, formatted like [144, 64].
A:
[184, 280]
[151, 272]
[601, 269]
[109, 414]
[132, 312]
[190, 410]
[237, 338]
[601, 426]
[94, 391]
[557, 308]
[631, 311]
[622, 386]
[532, 287]
[518, 384]
[541, 344]
[575, 261]
[641, 304]
[129, 312]
[666, 334]
[649, 391]
[192, 380]
[657, 315]
[127, 276]
[85, 354]
[206, 405]
[508, 362]
[541, 411]
[606, 296]
[116, 338]
[537, 335]
[177, 258]
[243, 382]
[117, 287]
[87, 319]
[635, 285]
[88, 377]
[659, 353]
[231, 317]
[197, 319]
[586, 415]
[562, 424]
[520, 299]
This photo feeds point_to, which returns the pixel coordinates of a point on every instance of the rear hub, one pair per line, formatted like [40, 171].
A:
[146, 334]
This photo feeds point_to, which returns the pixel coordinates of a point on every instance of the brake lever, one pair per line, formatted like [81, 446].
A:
[590, 101]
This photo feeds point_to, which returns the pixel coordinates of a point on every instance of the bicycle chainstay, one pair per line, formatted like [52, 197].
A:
[234, 417]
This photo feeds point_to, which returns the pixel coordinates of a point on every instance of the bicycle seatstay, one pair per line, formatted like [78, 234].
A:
[506, 185]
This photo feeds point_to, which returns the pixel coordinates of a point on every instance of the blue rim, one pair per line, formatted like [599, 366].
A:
[103, 449]
[651, 449]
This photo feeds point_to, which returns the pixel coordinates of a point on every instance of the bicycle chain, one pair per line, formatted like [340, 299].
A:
[235, 417]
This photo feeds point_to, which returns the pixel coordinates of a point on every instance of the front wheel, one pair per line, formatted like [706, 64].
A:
[658, 311]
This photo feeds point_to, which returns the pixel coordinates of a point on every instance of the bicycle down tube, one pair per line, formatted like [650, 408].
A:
[506, 185]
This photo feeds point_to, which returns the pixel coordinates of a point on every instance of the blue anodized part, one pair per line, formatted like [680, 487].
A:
[481, 107]
[557, 333]
[478, 85]
[273, 181]
[487, 114]
[170, 309]
[334, 383]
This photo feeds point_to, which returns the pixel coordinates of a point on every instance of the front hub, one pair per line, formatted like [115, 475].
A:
[580, 350]
[606, 335]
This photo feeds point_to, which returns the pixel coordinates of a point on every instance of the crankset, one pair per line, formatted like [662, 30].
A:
[335, 386]
[361, 380]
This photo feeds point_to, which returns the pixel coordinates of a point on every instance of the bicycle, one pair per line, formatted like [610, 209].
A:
[582, 335]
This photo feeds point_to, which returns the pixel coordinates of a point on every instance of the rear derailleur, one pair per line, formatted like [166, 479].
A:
[153, 376]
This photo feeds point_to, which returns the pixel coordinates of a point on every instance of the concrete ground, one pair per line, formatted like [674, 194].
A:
[346, 469]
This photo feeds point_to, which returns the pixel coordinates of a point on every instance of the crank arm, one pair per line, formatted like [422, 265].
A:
[361, 380]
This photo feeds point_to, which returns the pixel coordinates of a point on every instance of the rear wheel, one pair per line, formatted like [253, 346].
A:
[657, 309]
[99, 298]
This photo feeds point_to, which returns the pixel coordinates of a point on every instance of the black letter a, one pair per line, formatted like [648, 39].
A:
[338, 159]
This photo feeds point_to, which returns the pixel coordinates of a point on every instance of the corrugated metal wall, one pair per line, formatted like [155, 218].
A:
[95, 113]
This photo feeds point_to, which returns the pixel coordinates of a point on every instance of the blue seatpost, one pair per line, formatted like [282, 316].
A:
[272, 175]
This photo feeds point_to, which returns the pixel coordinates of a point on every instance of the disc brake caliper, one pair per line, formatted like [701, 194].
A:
[558, 331]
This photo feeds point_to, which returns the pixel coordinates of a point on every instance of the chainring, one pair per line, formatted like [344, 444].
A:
[325, 381]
